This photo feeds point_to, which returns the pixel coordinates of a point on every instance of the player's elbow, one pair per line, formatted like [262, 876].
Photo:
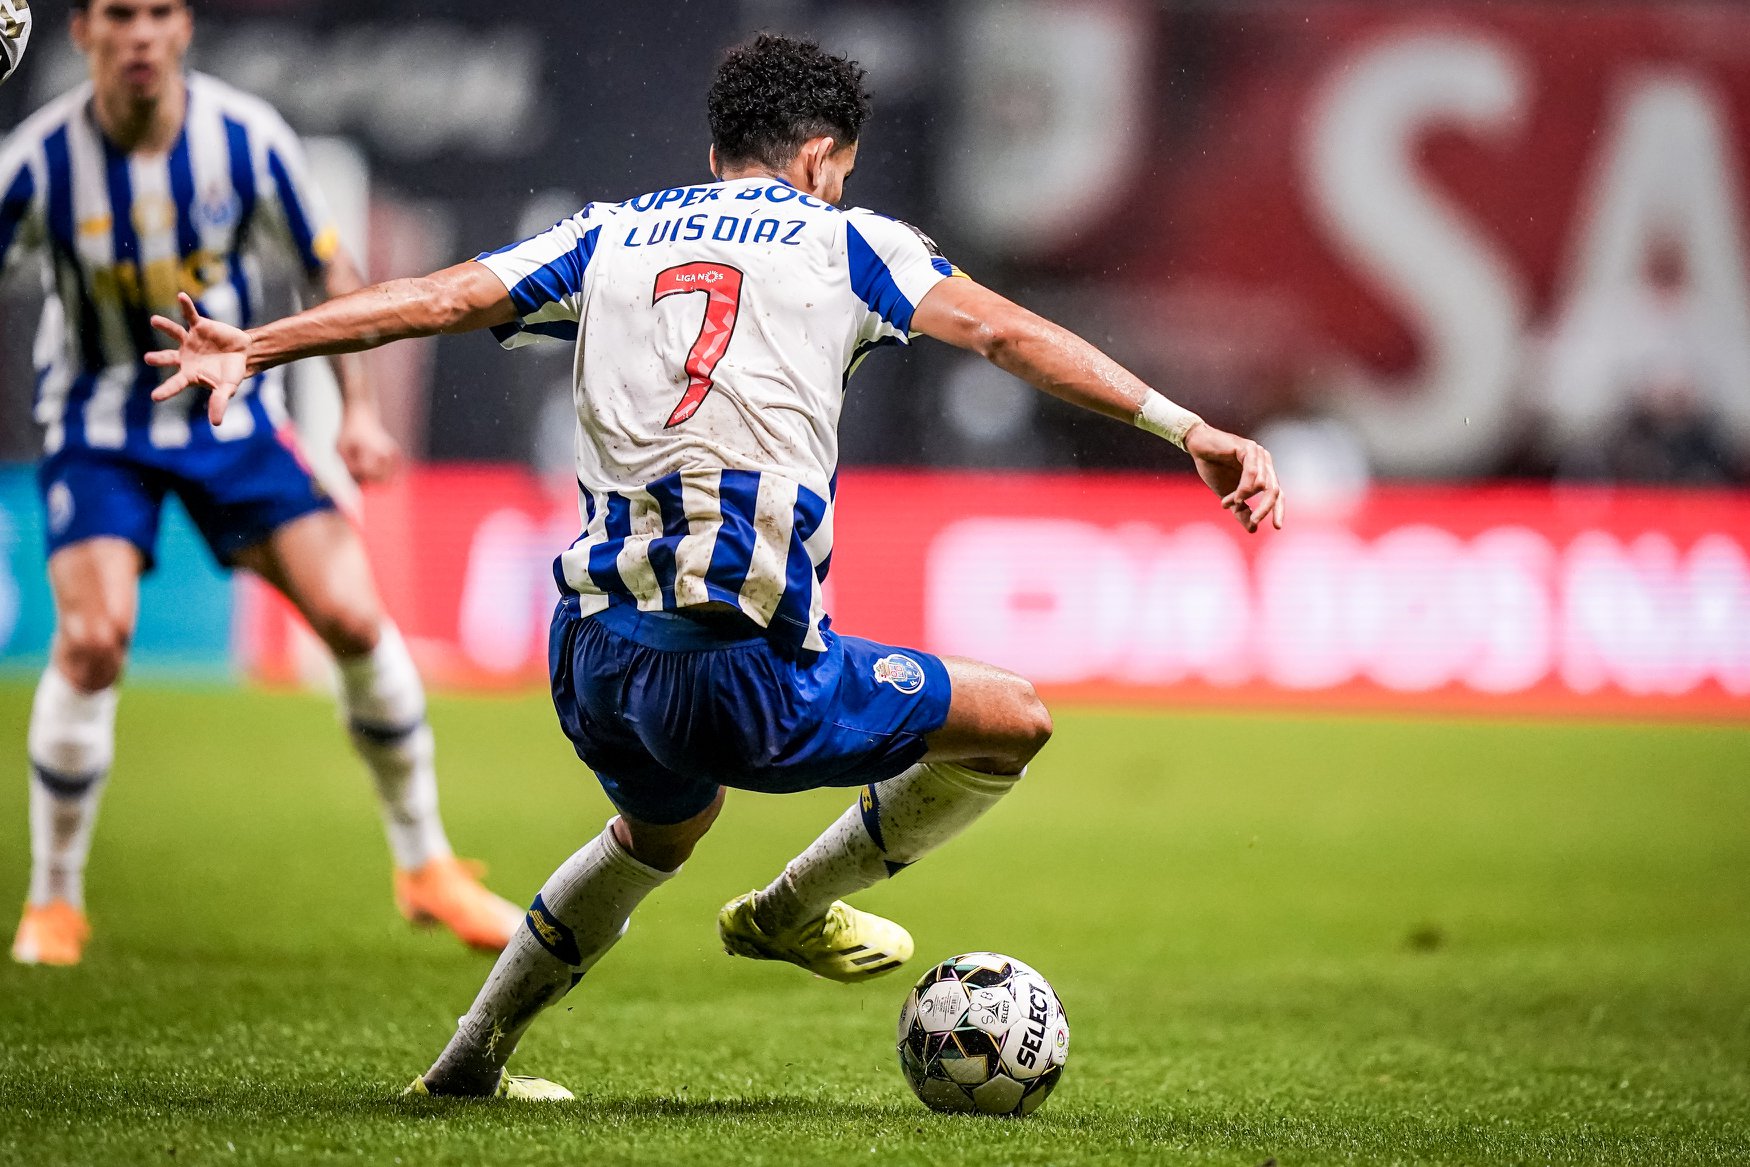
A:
[1009, 340]
[994, 340]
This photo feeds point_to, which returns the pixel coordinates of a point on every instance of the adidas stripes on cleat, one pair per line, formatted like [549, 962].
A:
[511, 1086]
[843, 945]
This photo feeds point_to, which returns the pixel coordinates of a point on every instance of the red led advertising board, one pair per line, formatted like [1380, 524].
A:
[1138, 589]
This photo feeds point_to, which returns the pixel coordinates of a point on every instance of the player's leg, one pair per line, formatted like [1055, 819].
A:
[318, 562]
[71, 739]
[581, 911]
[584, 907]
[995, 725]
[102, 523]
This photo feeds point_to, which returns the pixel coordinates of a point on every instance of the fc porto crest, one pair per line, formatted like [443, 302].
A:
[217, 209]
[902, 672]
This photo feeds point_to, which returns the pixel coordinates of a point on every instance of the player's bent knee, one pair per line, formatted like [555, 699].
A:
[1036, 719]
[93, 649]
[1030, 728]
[348, 630]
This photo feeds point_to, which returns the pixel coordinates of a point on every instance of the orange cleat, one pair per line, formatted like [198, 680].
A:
[51, 933]
[448, 891]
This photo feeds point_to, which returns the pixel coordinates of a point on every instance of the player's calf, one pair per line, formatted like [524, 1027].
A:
[383, 702]
[996, 724]
[892, 825]
[581, 912]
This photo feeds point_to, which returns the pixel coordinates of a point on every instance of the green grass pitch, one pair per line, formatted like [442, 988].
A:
[1318, 941]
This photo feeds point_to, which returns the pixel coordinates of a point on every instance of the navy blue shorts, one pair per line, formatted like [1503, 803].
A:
[666, 709]
[238, 493]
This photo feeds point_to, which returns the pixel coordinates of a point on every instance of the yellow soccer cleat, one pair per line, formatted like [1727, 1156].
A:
[448, 891]
[51, 933]
[511, 1086]
[843, 945]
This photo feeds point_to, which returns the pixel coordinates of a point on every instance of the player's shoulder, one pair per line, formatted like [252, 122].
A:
[593, 213]
[875, 226]
[895, 239]
[30, 134]
[239, 105]
[588, 218]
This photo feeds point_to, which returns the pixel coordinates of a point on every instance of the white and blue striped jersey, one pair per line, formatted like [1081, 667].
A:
[122, 234]
[716, 327]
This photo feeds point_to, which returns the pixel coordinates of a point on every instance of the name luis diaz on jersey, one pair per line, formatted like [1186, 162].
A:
[721, 228]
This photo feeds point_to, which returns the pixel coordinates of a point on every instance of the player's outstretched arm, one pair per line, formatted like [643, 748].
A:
[221, 357]
[1057, 361]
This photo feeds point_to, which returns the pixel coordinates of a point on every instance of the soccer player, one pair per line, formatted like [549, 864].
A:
[715, 327]
[143, 184]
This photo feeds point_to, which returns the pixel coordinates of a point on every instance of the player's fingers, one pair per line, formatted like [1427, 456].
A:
[170, 328]
[190, 313]
[1251, 469]
[171, 387]
[216, 404]
[164, 358]
[1276, 508]
[1279, 512]
[1242, 512]
[1268, 500]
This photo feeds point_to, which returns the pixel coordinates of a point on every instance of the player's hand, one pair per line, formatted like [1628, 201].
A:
[370, 452]
[1240, 471]
[209, 355]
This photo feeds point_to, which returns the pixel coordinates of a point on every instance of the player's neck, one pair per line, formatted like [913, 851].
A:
[142, 127]
[732, 173]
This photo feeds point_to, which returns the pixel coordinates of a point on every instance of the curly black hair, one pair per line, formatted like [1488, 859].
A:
[774, 93]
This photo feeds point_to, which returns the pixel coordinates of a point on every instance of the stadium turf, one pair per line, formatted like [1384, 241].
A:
[1318, 941]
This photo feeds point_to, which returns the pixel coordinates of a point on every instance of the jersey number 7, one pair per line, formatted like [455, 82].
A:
[722, 287]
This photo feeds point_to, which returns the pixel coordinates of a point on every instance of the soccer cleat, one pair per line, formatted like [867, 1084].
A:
[511, 1086]
[843, 945]
[448, 891]
[51, 933]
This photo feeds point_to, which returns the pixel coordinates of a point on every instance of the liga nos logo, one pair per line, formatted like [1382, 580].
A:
[14, 35]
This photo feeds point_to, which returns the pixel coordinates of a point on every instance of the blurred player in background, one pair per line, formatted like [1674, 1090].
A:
[716, 327]
[140, 185]
[15, 24]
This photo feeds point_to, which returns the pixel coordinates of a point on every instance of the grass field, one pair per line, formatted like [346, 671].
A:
[1310, 940]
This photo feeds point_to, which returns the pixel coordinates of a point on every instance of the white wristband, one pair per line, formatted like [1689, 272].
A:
[1161, 417]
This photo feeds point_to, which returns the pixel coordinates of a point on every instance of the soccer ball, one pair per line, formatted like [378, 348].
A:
[982, 1033]
[14, 34]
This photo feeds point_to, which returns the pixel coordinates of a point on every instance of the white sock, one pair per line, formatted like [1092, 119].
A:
[580, 913]
[71, 744]
[384, 704]
[893, 824]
